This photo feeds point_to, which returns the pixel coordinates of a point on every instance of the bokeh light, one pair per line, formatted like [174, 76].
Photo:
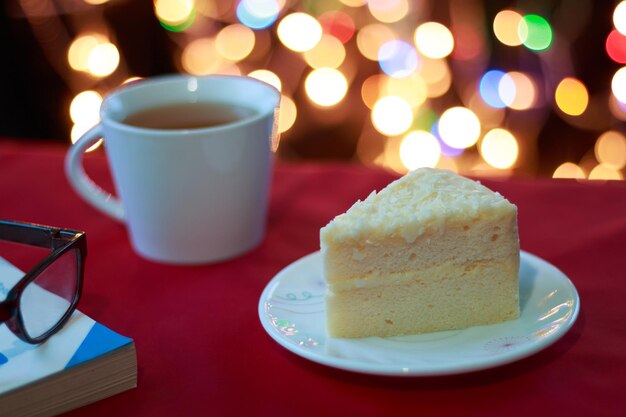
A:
[434, 40]
[235, 42]
[536, 32]
[569, 170]
[85, 108]
[419, 149]
[287, 114]
[499, 148]
[299, 31]
[257, 14]
[326, 86]
[412, 89]
[619, 17]
[392, 115]
[618, 84]
[610, 149]
[616, 46]
[94, 54]
[437, 76]
[397, 58]
[175, 15]
[338, 24]
[605, 172]
[200, 57]
[85, 113]
[329, 52]
[80, 49]
[506, 27]
[354, 3]
[103, 60]
[388, 11]
[371, 37]
[525, 91]
[489, 88]
[459, 127]
[371, 89]
[268, 77]
[571, 96]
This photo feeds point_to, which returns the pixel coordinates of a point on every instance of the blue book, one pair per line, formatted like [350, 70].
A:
[83, 363]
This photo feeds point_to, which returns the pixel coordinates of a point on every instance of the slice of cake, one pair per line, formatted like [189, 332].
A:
[431, 251]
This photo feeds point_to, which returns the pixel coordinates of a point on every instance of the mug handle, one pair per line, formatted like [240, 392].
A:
[82, 184]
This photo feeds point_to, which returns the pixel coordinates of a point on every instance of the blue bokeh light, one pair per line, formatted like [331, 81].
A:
[257, 14]
[398, 58]
[489, 88]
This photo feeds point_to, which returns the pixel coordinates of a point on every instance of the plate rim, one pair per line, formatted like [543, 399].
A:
[345, 364]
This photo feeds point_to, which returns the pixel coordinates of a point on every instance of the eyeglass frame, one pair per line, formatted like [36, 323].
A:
[60, 241]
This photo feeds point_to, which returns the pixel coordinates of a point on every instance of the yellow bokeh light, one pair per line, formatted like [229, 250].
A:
[605, 172]
[434, 40]
[571, 96]
[326, 86]
[85, 108]
[354, 3]
[392, 115]
[618, 85]
[388, 11]
[370, 89]
[80, 129]
[412, 89]
[267, 76]
[371, 37]
[96, 2]
[81, 48]
[287, 114]
[85, 113]
[525, 91]
[94, 54]
[200, 57]
[420, 149]
[103, 60]
[235, 42]
[299, 32]
[328, 53]
[437, 75]
[459, 127]
[569, 170]
[173, 12]
[610, 149]
[506, 27]
[619, 17]
[499, 148]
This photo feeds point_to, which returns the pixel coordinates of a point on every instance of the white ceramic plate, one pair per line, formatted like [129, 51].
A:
[292, 311]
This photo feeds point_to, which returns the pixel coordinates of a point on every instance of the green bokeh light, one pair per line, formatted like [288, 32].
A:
[182, 26]
[535, 32]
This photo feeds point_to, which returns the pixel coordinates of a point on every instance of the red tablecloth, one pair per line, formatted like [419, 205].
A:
[201, 348]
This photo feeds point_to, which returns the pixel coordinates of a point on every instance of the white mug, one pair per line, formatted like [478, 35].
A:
[187, 195]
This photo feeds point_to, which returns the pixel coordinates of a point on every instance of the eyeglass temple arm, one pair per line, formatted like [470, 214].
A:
[34, 234]
[5, 311]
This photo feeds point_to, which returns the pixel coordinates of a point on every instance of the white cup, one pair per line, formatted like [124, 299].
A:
[187, 196]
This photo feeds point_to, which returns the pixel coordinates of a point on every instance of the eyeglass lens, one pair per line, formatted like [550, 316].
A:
[49, 296]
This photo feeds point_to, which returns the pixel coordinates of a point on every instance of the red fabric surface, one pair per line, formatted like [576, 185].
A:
[201, 348]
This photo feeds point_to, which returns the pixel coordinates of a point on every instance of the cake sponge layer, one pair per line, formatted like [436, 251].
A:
[442, 297]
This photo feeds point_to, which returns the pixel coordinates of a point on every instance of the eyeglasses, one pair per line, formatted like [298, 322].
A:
[43, 300]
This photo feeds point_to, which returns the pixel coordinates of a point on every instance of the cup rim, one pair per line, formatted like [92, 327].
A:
[162, 79]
